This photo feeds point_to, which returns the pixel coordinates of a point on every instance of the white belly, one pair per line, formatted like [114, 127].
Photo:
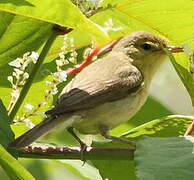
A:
[110, 114]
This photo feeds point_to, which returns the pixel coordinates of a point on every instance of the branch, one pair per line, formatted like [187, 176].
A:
[91, 153]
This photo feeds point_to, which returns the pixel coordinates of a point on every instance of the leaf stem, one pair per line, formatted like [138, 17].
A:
[32, 75]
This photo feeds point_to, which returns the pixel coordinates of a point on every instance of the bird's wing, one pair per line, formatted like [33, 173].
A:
[92, 93]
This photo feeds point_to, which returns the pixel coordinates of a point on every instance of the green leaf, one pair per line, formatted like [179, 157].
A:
[114, 169]
[12, 167]
[165, 158]
[18, 35]
[151, 15]
[168, 126]
[61, 12]
[183, 70]
[6, 133]
[85, 172]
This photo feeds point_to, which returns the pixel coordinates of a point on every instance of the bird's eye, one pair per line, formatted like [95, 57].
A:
[146, 46]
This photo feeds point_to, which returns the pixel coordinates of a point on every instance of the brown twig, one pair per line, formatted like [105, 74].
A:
[51, 152]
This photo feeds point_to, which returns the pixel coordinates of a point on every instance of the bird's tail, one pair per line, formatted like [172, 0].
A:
[40, 129]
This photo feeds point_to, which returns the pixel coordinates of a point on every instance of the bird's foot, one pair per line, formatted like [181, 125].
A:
[83, 146]
[105, 132]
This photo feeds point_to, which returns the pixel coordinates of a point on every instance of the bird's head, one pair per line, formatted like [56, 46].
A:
[145, 50]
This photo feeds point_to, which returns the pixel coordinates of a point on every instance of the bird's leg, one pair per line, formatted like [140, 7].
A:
[82, 144]
[104, 131]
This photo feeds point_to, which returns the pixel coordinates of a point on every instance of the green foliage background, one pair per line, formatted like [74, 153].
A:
[27, 24]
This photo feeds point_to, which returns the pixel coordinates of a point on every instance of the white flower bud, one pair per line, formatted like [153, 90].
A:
[18, 72]
[15, 63]
[73, 60]
[64, 48]
[15, 94]
[29, 106]
[59, 62]
[34, 56]
[29, 123]
[60, 76]
[42, 114]
[74, 54]
[10, 79]
[44, 103]
[25, 75]
[54, 91]
[48, 83]
[61, 55]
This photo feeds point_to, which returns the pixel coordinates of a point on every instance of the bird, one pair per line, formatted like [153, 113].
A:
[106, 93]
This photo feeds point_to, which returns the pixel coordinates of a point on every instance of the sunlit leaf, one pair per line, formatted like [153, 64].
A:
[61, 12]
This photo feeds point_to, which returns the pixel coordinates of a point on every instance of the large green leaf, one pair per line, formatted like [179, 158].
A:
[12, 167]
[172, 19]
[18, 35]
[61, 12]
[170, 126]
[165, 158]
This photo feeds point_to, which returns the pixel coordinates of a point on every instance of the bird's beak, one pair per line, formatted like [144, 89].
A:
[175, 49]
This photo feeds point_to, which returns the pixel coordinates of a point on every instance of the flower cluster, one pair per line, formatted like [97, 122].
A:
[109, 26]
[60, 75]
[67, 50]
[68, 47]
[19, 75]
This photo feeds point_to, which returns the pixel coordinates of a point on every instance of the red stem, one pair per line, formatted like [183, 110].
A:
[86, 62]
[96, 52]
